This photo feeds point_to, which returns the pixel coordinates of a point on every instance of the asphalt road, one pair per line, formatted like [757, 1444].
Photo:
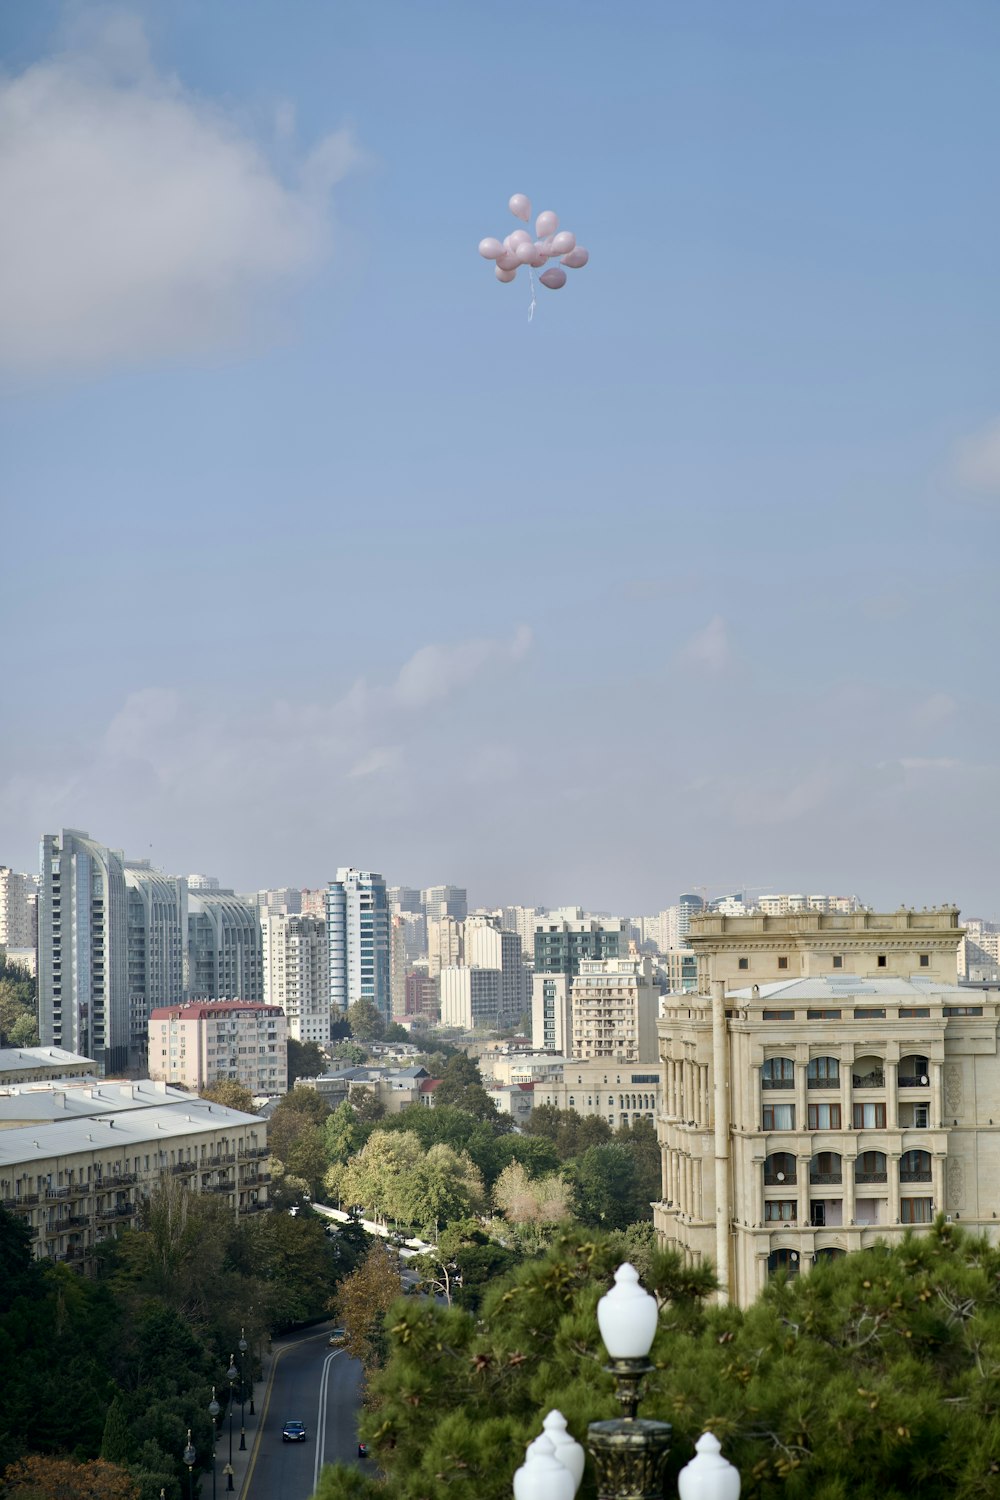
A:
[322, 1388]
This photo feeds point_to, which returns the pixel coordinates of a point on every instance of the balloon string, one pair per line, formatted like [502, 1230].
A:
[531, 309]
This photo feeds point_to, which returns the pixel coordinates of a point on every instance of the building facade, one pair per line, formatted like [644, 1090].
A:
[83, 998]
[225, 954]
[471, 999]
[157, 948]
[618, 1093]
[488, 945]
[830, 1086]
[614, 1004]
[296, 962]
[551, 1013]
[445, 901]
[18, 910]
[561, 943]
[195, 1045]
[357, 926]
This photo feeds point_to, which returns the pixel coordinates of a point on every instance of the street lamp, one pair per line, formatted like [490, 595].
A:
[231, 1375]
[243, 1346]
[629, 1452]
[213, 1411]
[189, 1457]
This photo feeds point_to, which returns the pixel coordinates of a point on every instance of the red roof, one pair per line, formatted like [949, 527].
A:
[201, 1010]
[429, 1085]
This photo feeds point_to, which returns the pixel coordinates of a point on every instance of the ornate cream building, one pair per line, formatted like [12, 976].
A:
[830, 1085]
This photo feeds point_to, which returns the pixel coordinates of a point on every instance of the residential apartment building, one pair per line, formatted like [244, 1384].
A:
[422, 994]
[78, 1159]
[83, 997]
[157, 921]
[195, 1045]
[445, 943]
[551, 1013]
[679, 967]
[445, 901]
[614, 1004]
[296, 963]
[488, 945]
[619, 1093]
[225, 957]
[18, 910]
[562, 943]
[471, 999]
[829, 1086]
[357, 927]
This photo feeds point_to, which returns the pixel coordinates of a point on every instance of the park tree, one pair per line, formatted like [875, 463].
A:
[41, 1477]
[569, 1132]
[362, 1301]
[367, 1021]
[367, 1106]
[305, 1060]
[231, 1093]
[292, 1117]
[608, 1189]
[24, 1032]
[532, 1206]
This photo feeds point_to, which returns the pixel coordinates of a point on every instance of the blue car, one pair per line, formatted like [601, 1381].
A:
[293, 1432]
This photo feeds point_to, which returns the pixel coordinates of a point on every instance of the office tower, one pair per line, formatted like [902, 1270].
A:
[614, 1003]
[82, 949]
[224, 947]
[470, 998]
[490, 946]
[551, 1015]
[561, 943]
[687, 907]
[522, 920]
[296, 967]
[445, 901]
[405, 898]
[157, 947]
[18, 910]
[282, 898]
[313, 903]
[357, 927]
[445, 943]
[859, 1085]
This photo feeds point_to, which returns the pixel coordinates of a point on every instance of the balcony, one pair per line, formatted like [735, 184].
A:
[871, 1177]
[907, 1082]
[57, 1192]
[824, 1179]
[874, 1080]
[116, 1214]
[219, 1187]
[27, 1200]
[777, 1083]
[921, 1174]
[181, 1168]
[115, 1179]
[780, 1179]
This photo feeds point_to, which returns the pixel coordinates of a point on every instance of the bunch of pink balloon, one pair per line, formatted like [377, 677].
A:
[519, 249]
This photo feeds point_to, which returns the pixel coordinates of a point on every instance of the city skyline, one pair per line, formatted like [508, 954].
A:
[315, 551]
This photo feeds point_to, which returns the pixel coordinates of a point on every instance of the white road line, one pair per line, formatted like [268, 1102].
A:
[324, 1386]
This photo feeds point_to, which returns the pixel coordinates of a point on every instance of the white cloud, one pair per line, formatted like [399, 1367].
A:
[977, 460]
[709, 649]
[434, 672]
[140, 221]
[933, 711]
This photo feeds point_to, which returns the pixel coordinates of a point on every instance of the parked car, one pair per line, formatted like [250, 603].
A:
[293, 1432]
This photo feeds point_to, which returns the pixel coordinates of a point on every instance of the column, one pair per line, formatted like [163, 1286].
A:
[846, 1085]
[706, 1114]
[757, 1212]
[891, 1094]
[937, 1101]
[758, 1118]
[892, 1163]
[848, 1167]
[938, 1162]
[801, 1113]
[802, 1173]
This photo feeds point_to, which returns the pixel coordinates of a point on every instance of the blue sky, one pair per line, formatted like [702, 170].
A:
[316, 552]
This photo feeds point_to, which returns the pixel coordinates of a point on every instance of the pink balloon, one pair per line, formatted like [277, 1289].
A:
[502, 275]
[553, 278]
[519, 237]
[525, 253]
[576, 258]
[546, 224]
[508, 261]
[544, 247]
[520, 207]
[563, 242]
[490, 248]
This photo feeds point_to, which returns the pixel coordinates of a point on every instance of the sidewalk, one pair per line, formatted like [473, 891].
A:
[242, 1457]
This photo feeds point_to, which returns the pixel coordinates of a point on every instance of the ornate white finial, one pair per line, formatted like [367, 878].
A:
[708, 1476]
[542, 1476]
[567, 1449]
[627, 1316]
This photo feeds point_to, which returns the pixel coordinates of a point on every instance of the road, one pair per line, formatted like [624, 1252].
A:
[321, 1387]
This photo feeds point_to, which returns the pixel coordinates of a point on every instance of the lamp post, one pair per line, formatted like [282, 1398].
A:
[231, 1375]
[213, 1411]
[629, 1452]
[189, 1457]
[242, 1347]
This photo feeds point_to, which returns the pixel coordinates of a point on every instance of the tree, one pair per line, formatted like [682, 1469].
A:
[43, 1478]
[569, 1132]
[532, 1206]
[367, 1021]
[305, 1060]
[232, 1094]
[608, 1191]
[368, 1108]
[362, 1301]
[115, 1442]
[395, 1033]
[342, 1135]
[24, 1032]
[291, 1117]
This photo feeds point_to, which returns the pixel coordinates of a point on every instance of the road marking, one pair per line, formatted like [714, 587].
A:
[324, 1389]
[265, 1401]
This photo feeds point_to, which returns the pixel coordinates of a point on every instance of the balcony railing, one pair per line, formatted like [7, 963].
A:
[823, 1083]
[777, 1083]
[875, 1080]
[778, 1179]
[921, 1174]
[57, 1192]
[26, 1200]
[115, 1179]
[824, 1178]
[923, 1082]
[871, 1177]
[180, 1167]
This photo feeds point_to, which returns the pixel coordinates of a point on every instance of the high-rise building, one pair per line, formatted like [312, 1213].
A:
[615, 1003]
[561, 943]
[357, 926]
[398, 964]
[445, 901]
[18, 910]
[296, 965]
[688, 906]
[488, 945]
[157, 908]
[830, 1086]
[204, 883]
[470, 998]
[225, 961]
[282, 898]
[551, 1014]
[422, 994]
[445, 943]
[523, 920]
[82, 949]
[405, 898]
[197, 1044]
[313, 903]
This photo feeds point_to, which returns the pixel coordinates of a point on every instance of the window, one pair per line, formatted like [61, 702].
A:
[779, 1210]
[822, 1015]
[870, 1167]
[914, 1013]
[779, 1116]
[915, 1210]
[778, 1073]
[869, 1015]
[963, 1010]
[823, 1073]
[782, 963]
[743, 963]
[777, 1015]
[869, 1116]
[925, 960]
[881, 961]
[838, 961]
[824, 1116]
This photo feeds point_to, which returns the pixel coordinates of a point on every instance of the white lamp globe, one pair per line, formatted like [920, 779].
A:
[542, 1476]
[567, 1449]
[627, 1316]
[708, 1476]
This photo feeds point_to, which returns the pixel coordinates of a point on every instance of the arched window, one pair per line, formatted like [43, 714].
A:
[914, 1072]
[915, 1166]
[823, 1073]
[870, 1167]
[778, 1073]
[868, 1072]
[779, 1169]
[783, 1260]
[828, 1252]
[826, 1167]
